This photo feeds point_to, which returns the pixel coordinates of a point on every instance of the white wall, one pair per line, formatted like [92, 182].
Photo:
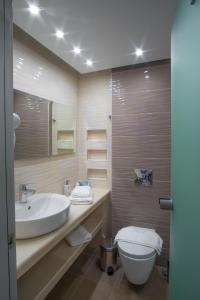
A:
[89, 95]
[39, 76]
[57, 82]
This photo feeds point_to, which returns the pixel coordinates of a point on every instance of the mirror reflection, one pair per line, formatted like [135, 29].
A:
[46, 128]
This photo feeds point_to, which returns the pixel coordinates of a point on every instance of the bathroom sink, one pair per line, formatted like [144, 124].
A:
[42, 213]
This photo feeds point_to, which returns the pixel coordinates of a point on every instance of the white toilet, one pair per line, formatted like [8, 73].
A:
[137, 259]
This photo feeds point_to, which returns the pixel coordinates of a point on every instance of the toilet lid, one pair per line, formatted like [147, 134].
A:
[134, 250]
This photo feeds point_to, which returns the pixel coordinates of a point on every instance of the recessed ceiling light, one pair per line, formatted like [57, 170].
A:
[60, 34]
[77, 50]
[89, 62]
[139, 52]
[34, 9]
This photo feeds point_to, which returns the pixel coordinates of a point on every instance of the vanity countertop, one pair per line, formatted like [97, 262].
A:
[30, 251]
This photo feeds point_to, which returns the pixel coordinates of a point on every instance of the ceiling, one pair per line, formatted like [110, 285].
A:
[107, 31]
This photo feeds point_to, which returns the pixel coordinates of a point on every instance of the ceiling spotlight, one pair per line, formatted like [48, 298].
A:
[34, 9]
[139, 52]
[60, 34]
[77, 50]
[89, 62]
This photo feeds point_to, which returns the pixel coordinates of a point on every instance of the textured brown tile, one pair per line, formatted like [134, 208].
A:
[149, 146]
[141, 139]
[141, 124]
[134, 80]
[124, 167]
[141, 102]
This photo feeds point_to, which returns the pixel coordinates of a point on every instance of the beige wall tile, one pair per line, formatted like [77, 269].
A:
[95, 101]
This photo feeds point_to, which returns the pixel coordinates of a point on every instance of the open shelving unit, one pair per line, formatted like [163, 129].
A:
[97, 162]
[43, 276]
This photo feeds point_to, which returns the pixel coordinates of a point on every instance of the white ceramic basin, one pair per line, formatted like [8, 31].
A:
[42, 214]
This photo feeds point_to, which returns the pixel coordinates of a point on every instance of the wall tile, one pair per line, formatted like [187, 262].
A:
[141, 139]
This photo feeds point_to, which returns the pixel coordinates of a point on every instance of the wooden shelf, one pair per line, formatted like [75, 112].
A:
[96, 144]
[98, 155]
[95, 134]
[97, 164]
[42, 277]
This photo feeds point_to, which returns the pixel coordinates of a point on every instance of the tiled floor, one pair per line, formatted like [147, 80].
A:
[84, 281]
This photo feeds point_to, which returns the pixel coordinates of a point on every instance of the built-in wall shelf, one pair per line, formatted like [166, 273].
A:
[97, 155]
[65, 139]
[96, 145]
[97, 163]
[42, 277]
[96, 134]
[96, 139]
[97, 177]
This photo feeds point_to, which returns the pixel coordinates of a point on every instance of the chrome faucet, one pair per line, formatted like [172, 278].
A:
[26, 190]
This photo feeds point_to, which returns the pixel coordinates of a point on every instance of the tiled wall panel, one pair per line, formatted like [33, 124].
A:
[48, 175]
[141, 139]
[94, 108]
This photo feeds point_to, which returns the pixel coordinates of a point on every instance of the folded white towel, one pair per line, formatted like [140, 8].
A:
[81, 191]
[140, 236]
[79, 201]
[78, 236]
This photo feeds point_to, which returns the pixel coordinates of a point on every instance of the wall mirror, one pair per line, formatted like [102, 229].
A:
[46, 128]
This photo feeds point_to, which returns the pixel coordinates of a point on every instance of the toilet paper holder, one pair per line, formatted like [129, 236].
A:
[166, 203]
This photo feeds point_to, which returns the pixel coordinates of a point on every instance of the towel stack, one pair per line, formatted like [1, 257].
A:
[81, 195]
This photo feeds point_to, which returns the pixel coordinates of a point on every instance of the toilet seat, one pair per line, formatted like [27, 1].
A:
[135, 251]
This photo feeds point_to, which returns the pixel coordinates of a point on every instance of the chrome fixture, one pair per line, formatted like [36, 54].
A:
[25, 191]
[166, 203]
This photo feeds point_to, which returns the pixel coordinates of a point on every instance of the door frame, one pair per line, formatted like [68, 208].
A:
[8, 281]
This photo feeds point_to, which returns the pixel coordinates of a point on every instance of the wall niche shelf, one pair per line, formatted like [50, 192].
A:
[97, 163]
[65, 140]
[96, 139]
